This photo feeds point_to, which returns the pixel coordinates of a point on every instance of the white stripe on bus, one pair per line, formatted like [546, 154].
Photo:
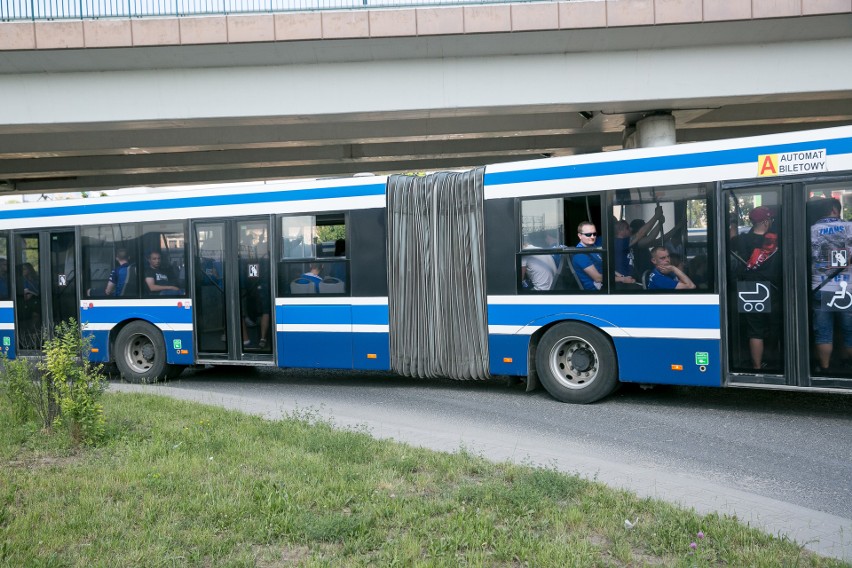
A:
[146, 303]
[333, 301]
[634, 332]
[331, 328]
[161, 326]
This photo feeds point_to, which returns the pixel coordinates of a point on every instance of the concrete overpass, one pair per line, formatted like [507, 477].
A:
[100, 104]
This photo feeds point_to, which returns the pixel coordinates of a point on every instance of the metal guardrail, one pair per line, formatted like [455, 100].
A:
[31, 10]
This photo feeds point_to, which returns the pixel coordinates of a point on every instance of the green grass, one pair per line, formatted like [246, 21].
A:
[180, 484]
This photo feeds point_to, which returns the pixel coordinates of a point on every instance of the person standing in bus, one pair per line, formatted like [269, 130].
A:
[588, 266]
[643, 235]
[4, 279]
[665, 275]
[756, 253]
[118, 277]
[160, 281]
[831, 245]
[623, 254]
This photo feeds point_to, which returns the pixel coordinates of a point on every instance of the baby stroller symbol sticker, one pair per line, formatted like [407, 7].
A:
[753, 297]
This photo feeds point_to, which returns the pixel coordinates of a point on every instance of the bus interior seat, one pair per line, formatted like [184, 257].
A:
[575, 280]
[645, 276]
[332, 285]
[302, 286]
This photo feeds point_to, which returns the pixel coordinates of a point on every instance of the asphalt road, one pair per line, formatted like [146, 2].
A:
[779, 460]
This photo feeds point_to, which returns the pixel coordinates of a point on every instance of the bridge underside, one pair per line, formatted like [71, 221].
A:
[89, 119]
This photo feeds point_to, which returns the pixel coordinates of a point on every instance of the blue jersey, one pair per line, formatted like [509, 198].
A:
[583, 261]
[659, 281]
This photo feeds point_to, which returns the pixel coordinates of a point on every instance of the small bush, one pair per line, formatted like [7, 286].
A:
[61, 389]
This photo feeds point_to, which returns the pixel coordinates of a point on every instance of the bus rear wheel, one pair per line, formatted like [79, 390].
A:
[140, 353]
[576, 363]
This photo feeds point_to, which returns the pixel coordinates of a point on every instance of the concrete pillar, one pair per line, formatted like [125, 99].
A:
[656, 130]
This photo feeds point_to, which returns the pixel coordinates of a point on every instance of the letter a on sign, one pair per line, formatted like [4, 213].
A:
[767, 165]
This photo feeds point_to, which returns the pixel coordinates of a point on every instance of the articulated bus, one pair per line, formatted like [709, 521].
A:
[721, 263]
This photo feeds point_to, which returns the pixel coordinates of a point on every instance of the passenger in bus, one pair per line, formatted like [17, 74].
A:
[665, 275]
[831, 246]
[757, 260]
[588, 267]
[117, 278]
[160, 281]
[623, 255]
[642, 237]
[313, 274]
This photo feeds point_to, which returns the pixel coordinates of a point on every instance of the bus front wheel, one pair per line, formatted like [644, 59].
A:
[140, 353]
[576, 363]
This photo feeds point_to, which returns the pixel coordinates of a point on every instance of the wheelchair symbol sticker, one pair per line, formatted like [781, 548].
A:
[753, 297]
[839, 300]
[839, 258]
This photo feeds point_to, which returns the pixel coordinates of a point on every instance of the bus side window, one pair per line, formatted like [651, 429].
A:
[660, 239]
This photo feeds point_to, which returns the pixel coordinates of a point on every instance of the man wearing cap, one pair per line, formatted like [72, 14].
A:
[756, 253]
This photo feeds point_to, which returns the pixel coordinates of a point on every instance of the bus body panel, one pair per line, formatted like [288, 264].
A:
[689, 362]
[334, 333]
[7, 329]
[172, 316]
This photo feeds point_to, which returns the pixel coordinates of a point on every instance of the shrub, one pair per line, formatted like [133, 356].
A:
[61, 389]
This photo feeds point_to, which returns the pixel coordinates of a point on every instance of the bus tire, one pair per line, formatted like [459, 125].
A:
[140, 353]
[576, 363]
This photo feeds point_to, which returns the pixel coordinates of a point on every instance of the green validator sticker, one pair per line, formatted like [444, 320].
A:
[7, 341]
[176, 343]
[702, 358]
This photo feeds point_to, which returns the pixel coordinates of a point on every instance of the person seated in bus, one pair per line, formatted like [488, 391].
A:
[756, 259]
[117, 278]
[588, 266]
[831, 246]
[665, 275]
[160, 281]
[313, 274]
[538, 271]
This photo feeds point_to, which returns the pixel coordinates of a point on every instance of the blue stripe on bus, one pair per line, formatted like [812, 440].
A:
[508, 347]
[154, 314]
[331, 314]
[682, 316]
[174, 355]
[662, 163]
[100, 341]
[7, 315]
[316, 350]
[209, 201]
[7, 343]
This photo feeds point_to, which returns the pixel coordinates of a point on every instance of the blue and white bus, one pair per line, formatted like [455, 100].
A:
[722, 263]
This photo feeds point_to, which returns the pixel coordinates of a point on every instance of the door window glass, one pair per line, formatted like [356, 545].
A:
[755, 283]
[210, 287]
[255, 289]
[63, 275]
[28, 292]
[5, 283]
[829, 213]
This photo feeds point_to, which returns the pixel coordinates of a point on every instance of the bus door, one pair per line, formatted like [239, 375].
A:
[232, 290]
[759, 309]
[45, 285]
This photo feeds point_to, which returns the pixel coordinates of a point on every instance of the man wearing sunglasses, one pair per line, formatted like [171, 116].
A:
[589, 267]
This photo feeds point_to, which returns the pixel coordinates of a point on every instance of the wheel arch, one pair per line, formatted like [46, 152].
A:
[592, 323]
[116, 329]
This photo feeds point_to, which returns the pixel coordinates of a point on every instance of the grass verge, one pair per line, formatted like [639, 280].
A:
[181, 484]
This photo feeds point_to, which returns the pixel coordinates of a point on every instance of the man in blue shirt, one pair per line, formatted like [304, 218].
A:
[667, 276]
[589, 267]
